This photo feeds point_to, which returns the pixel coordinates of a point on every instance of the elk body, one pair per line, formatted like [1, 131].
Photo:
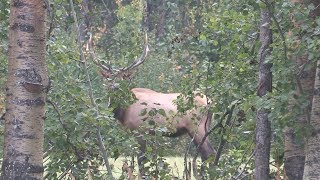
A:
[192, 122]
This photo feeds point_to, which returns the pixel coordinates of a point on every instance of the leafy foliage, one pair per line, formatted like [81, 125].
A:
[206, 47]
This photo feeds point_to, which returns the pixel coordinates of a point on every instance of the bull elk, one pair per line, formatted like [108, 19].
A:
[194, 122]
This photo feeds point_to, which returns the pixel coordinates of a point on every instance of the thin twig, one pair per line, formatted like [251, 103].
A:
[219, 124]
[82, 58]
[245, 165]
[59, 115]
[279, 29]
[187, 152]
[67, 130]
[222, 140]
[243, 156]
[195, 172]
[186, 172]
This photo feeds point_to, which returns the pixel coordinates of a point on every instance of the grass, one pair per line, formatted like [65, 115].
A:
[176, 164]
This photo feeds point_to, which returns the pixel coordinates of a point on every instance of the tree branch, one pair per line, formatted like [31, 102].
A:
[245, 165]
[93, 103]
[222, 140]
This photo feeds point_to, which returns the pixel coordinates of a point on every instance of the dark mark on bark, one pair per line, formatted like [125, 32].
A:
[305, 74]
[19, 42]
[19, 3]
[30, 52]
[33, 87]
[16, 133]
[29, 75]
[23, 27]
[21, 136]
[13, 152]
[315, 132]
[15, 26]
[28, 102]
[20, 170]
[45, 5]
[2, 117]
[23, 17]
[20, 56]
[16, 121]
[316, 92]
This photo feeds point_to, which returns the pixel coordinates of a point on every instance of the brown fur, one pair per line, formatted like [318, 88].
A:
[175, 122]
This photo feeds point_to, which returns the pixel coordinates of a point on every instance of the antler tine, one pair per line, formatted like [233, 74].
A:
[142, 58]
[94, 58]
[118, 72]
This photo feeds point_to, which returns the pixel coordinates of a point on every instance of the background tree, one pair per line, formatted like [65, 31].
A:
[263, 127]
[26, 88]
[304, 78]
[312, 147]
[294, 144]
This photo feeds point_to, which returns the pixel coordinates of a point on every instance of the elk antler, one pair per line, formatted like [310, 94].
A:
[142, 58]
[107, 70]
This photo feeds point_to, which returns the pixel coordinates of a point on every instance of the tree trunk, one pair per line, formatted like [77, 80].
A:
[263, 129]
[162, 12]
[27, 84]
[312, 152]
[312, 162]
[294, 154]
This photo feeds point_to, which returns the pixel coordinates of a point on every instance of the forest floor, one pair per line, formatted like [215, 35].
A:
[176, 165]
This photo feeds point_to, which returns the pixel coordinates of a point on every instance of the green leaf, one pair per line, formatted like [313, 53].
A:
[149, 149]
[152, 112]
[203, 37]
[143, 112]
[162, 112]
[59, 12]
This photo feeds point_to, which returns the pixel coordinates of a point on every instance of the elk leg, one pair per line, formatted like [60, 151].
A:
[206, 148]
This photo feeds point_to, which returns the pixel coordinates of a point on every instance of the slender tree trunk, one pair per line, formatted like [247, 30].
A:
[263, 129]
[26, 89]
[161, 19]
[155, 16]
[312, 162]
[146, 21]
